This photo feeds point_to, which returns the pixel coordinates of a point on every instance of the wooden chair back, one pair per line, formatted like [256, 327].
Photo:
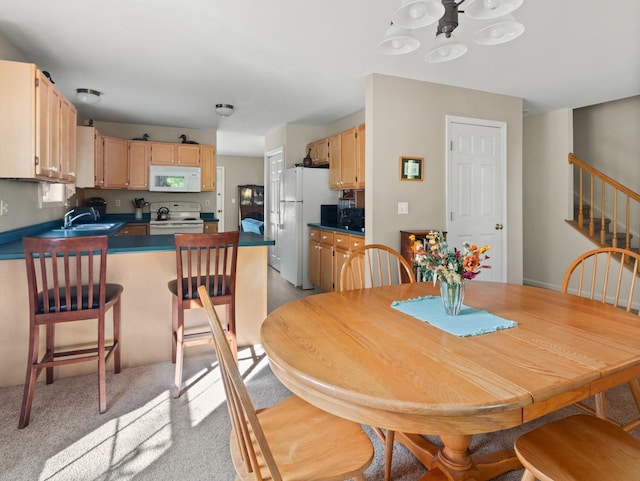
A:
[606, 274]
[374, 265]
[210, 260]
[243, 414]
[66, 276]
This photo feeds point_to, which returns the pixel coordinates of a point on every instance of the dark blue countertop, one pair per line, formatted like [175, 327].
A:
[11, 241]
[342, 230]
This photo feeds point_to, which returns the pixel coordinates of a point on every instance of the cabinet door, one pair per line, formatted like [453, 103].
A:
[134, 229]
[99, 160]
[188, 155]
[335, 162]
[116, 163]
[43, 106]
[314, 257]
[139, 156]
[210, 227]
[348, 160]
[360, 157]
[322, 152]
[68, 117]
[326, 267]
[163, 153]
[208, 174]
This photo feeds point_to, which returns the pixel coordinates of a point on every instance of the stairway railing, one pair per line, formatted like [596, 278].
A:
[602, 194]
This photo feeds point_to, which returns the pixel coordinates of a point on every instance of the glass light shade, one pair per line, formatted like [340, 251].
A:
[224, 110]
[88, 96]
[417, 13]
[397, 41]
[488, 9]
[501, 31]
[446, 49]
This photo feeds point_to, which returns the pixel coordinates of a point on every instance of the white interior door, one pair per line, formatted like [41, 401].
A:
[273, 221]
[220, 198]
[476, 189]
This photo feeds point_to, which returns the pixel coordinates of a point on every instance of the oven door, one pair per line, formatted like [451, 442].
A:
[175, 228]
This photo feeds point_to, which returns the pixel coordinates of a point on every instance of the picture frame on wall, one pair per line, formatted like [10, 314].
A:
[411, 168]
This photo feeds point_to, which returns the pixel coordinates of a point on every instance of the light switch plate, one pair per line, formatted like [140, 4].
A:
[403, 207]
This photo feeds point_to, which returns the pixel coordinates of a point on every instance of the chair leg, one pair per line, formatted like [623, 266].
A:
[102, 367]
[174, 326]
[32, 375]
[50, 342]
[116, 336]
[388, 453]
[179, 354]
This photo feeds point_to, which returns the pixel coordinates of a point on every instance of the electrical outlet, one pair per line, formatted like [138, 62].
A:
[4, 207]
[117, 202]
[207, 202]
[403, 207]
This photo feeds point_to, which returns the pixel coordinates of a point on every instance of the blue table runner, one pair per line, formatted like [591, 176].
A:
[470, 321]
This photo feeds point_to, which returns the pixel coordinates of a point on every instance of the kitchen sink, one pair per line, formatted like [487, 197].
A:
[84, 229]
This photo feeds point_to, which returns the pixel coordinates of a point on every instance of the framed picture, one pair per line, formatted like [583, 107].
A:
[411, 168]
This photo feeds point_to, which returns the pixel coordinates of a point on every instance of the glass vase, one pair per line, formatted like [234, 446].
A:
[452, 296]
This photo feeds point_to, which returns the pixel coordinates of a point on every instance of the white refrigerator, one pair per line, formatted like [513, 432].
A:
[304, 190]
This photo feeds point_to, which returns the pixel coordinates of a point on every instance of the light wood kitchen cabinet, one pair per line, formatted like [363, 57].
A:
[352, 158]
[35, 139]
[314, 257]
[115, 154]
[335, 162]
[139, 157]
[208, 174]
[163, 153]
[188, 155]
[210, 227]
[322, 152]
[90, 166]
[134, 228]
[328, 250]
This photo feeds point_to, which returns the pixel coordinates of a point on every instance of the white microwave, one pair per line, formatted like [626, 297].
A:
[174, 179]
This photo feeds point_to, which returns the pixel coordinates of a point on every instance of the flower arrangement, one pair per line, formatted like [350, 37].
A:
[436, 260]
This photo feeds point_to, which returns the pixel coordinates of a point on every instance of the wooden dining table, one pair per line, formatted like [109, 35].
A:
[352, 354]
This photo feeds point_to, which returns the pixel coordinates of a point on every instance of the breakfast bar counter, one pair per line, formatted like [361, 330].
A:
[143, 265]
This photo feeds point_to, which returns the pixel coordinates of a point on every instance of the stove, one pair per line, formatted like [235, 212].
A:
[183, 218]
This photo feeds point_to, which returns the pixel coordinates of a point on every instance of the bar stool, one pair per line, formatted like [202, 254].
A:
[67, 283]
[209, 260]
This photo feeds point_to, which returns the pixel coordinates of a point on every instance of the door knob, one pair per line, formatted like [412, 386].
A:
[499, 226]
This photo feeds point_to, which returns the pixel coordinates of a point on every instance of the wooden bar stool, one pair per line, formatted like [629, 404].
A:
[209, 260]
[579, 448]
[67, 283]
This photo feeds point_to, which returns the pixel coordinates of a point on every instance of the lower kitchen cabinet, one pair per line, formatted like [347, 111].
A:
[328, 251]
[210, 227]
[134, 228]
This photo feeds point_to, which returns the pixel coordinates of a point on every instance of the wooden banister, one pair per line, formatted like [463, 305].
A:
[610, 190]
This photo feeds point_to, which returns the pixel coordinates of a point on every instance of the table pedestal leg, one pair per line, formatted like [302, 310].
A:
[453, 461]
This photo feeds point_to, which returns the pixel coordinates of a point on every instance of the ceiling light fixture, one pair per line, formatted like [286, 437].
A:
[224, 110]
[88, 96]
[500, 27]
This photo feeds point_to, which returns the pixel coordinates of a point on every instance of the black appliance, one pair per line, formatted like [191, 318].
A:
[99, 204]
[329, 215]
[352, 218]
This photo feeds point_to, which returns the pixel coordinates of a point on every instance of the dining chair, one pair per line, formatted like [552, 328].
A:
[579, 448]
[609, 275]
[67, 280]
[211, 260]
[291, 440]
[376, 265]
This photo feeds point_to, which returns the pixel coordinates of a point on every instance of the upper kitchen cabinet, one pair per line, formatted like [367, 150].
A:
[319, 152]
[183, 155]
[139, 157]
[37, 129]
[208, 174]
[90, 162]
[351, 170]
[335, 162]
[115, 157]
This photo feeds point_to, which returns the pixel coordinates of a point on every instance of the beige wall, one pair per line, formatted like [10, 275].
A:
[238, 171]
[407, 117]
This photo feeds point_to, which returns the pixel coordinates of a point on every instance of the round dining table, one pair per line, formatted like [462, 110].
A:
[357, 356]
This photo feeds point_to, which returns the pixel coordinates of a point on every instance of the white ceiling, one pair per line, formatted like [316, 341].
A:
[164, 62]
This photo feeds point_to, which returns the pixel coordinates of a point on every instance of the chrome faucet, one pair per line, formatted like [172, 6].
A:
[75, 214]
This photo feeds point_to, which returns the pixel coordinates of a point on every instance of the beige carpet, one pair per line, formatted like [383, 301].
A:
[148, 435]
